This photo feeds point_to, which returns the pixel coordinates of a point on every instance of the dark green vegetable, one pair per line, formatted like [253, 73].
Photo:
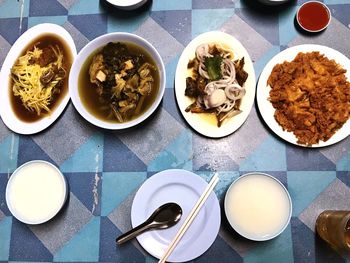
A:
[213, 66]
[114, 56]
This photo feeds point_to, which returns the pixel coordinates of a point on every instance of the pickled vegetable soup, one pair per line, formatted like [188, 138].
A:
[37, 192]
[258, 206]
[90, 98]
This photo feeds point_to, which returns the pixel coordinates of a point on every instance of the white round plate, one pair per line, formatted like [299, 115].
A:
[263, 90]
[184, 188]
[7, 114]
[200, 122]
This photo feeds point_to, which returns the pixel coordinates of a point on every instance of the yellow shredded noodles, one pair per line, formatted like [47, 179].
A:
[26, 78]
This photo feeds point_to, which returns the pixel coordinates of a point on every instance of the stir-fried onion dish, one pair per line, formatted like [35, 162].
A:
[37, 77]
[311, 96]
[123, 82]
[216, 82]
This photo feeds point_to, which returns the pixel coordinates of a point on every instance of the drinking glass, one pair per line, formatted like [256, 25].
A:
[334, 227]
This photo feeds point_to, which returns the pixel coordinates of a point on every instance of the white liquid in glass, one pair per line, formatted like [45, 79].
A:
[257, 206]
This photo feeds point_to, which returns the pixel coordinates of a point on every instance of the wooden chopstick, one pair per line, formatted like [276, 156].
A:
[192, 215]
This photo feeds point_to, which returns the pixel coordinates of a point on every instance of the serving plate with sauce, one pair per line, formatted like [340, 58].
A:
[203, 123]
[15, 116]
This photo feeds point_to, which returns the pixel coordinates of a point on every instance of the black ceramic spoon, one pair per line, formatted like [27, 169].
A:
[163, 217]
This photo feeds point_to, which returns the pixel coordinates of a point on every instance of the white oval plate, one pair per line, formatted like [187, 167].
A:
[198, 121]
[7, 114]
[263, 90]
[184, 188]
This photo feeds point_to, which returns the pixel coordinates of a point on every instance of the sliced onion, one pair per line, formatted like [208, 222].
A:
[234, 91]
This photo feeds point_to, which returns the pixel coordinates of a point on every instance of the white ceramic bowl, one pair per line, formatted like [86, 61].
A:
[258, 206]
[313, 16]
[127, 4]
[96, 44]
[36, 192]
[7, 113]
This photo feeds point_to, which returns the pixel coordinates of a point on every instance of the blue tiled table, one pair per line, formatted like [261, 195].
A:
[104, 168]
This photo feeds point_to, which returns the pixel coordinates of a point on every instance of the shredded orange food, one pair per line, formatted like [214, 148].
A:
[311, 96]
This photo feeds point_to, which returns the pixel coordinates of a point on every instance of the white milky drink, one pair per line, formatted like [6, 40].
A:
[36, 192]
[258, 206]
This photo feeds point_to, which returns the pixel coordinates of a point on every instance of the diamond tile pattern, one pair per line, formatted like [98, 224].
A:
[70, 132]
[149, 139]
[334, 197]
[104, 168]
[65, 225]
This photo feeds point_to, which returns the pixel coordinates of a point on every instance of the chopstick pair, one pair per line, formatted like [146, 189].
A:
[192, 215]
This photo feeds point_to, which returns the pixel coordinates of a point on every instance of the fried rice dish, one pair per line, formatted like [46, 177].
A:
[311, 97]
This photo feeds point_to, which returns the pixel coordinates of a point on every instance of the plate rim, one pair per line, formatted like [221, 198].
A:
[266, 107]
[173, 178]
[196, 122]
[6, 112]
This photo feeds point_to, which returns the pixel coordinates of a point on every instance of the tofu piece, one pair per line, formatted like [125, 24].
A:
[101, 76]
[128, 64]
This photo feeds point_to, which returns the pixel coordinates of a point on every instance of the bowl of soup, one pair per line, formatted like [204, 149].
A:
[258, 206]
[117, 81]
[36, 192]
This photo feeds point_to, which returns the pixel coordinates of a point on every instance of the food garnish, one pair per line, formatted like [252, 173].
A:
[216, 82]
[311, 95]
[37, 77]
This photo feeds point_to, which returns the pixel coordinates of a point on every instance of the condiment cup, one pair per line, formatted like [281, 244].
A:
[258, 206]
[313, 16]
[36, 192]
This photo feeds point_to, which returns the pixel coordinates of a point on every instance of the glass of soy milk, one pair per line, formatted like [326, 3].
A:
[258, 206]
[35, 192]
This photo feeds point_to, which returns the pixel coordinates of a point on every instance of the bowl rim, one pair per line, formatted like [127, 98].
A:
[49, 217]
[252, 237]
[130, 5]
[320, 3]
[97, 43]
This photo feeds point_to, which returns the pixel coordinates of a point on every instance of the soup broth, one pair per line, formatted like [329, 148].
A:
[258, 206]
[36, 192]
[42, 42]
[88, 91]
